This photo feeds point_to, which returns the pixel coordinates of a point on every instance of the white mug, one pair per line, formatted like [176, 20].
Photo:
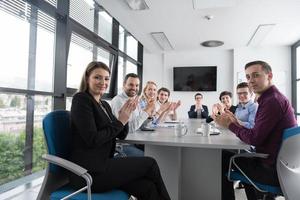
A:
[180, 130]
[206, 129]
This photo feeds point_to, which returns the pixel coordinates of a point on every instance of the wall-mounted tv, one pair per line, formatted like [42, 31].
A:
[196, 78]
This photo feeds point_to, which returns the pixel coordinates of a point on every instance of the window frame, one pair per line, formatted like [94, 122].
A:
[294, 78]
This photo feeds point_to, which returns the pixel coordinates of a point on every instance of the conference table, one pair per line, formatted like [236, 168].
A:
[190, 165]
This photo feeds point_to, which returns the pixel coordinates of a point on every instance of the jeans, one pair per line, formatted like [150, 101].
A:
[129, 151]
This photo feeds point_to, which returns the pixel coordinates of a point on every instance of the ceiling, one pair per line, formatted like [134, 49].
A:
[187, 27]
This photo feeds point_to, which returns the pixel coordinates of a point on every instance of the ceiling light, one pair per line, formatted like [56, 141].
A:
[162, 40]
[137, 4]
[212, 43]
[260, 33]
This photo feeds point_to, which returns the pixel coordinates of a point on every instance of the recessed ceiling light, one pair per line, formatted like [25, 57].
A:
[260, 34]
[137, 4]
[212, 43]
[162, 40]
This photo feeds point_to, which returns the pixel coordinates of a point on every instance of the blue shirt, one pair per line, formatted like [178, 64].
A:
[151, 122]
[246, 113]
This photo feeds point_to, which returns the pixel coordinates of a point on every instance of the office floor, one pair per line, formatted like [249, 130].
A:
[31, 194]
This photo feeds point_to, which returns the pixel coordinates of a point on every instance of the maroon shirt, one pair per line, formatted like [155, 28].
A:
[274, 114]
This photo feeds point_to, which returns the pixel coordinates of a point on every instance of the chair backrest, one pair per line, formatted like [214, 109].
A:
[56, 126]
[288, 163]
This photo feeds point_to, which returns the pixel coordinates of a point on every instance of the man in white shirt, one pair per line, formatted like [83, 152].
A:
[138, 116]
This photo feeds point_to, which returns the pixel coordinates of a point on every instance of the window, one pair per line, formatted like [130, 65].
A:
[26, 82]
[132, 46]
[124, 67]
[32, 55]
[80, 54]
[121, 38]
[45, 53]
[127, 43]
[296, 79]
[42, 106]
[14, 71]
[105, 26]
[82, 11]
[12, 136]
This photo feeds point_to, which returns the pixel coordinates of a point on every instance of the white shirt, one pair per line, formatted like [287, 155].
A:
[137, 117]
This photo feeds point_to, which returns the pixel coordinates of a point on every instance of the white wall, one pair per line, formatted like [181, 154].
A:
[159, 68]
[278, 57]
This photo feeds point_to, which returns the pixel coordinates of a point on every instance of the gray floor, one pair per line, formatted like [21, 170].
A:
[30, 193]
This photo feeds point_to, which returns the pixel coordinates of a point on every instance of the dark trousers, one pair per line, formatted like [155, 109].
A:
[138, 176]
[254, 169]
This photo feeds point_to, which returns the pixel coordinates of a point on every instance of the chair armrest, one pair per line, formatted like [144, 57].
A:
[76, 169]
[80, 171]
[245, 155]
[250, 155]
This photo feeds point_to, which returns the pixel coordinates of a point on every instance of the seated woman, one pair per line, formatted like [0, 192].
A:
[149, 95]
[163, 98]
[226, 104]
[94, 132]
[198, 110]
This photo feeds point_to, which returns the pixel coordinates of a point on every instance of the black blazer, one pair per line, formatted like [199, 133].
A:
[93, 132]
[193, 114]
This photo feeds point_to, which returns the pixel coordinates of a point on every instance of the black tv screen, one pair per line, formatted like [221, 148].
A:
[198, 78]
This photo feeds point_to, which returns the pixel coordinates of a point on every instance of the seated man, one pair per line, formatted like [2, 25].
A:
[274, 114]
[138, 116]
[246, 108]
[198, 110]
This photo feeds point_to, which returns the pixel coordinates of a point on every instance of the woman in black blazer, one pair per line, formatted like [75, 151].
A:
[226, 104]
[94, 132]
[198, 110]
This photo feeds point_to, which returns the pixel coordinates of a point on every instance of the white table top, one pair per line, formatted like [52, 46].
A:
[164, 136]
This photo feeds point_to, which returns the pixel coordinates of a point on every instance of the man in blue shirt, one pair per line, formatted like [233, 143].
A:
[246, 109]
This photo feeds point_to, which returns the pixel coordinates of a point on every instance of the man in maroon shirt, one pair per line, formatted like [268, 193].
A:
[274, 114]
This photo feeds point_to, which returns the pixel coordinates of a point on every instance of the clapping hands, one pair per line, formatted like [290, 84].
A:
[225, 119]
[127, 108]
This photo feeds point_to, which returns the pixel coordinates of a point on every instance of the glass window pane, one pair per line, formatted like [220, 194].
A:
[298, 119]
[121, 38]
[298, 62]
[68, 103]
[132, 45]
[298, 94]
[104, 56]
[12, 136]
[83, 12]
[80, 54]
[121, 74]
[130, 68]
[42, 106]
[13, 51]
[105, 26]
[45, 54]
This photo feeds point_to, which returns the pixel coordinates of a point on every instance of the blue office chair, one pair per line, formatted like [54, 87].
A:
[239, 175]
[56, 126]
[288, 164]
